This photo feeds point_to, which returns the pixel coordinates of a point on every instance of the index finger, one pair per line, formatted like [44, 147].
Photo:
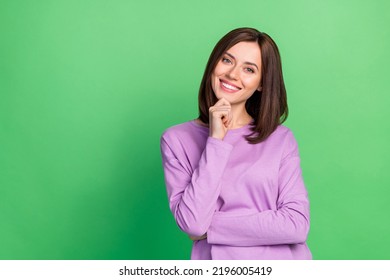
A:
[222, 101]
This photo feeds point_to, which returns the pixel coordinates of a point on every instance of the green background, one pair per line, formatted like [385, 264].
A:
[87, 88]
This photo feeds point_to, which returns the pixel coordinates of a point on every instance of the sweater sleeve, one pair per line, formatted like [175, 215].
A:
[192, 196]
[288, 224]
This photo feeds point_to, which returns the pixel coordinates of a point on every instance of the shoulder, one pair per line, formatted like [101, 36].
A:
[177, 130]
[178, 127]
[182, 139]
[283, 133]
[284, 140]
[183, 132]
[290, 145]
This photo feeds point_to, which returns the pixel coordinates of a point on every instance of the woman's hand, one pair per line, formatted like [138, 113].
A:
[219, 118]
[197, 238]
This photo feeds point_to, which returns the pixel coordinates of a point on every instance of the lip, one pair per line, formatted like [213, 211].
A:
[228, 89]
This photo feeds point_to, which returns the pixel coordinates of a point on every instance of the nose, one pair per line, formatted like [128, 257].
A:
[232, 73]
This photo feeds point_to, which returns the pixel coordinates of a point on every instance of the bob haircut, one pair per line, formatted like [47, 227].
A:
[267, 107]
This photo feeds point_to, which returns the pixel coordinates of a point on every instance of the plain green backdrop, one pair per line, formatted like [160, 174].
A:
[87, 88]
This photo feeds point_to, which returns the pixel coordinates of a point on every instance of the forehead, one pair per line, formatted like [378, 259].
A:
[246, 52]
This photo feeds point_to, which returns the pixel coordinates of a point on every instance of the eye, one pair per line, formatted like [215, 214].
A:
[226, 60]
[250, 70]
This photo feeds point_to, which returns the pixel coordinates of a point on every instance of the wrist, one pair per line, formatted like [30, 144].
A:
[216, 136]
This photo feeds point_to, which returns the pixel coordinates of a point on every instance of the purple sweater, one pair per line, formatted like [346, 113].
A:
[249, 198]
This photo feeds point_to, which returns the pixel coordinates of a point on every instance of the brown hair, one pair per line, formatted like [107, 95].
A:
[267, 107]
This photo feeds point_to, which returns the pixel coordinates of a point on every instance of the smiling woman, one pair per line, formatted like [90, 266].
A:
[233, 175]
[235, 77]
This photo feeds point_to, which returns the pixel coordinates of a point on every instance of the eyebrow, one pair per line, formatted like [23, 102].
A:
[246, 62]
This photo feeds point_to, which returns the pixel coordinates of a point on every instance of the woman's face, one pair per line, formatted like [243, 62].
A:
[238, 73]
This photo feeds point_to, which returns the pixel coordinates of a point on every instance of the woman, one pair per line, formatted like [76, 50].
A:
[233, 175]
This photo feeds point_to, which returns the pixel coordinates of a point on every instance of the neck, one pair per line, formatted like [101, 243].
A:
[240, 117]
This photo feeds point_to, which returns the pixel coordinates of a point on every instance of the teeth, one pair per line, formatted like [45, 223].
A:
[230, 86]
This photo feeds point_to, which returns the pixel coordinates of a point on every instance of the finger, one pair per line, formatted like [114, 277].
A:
[220, 115]
[222, 107]
[217, 109]
[225, 122]
[226, 112]
[222, 101]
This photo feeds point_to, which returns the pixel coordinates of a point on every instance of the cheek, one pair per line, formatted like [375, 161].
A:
[215, 75]
[219, 69]
[252, 82]
[213, 82]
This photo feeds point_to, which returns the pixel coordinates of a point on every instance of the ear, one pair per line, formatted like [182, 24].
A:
[259, 88]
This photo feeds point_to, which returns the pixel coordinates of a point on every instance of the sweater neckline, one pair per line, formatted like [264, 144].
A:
[230, 131]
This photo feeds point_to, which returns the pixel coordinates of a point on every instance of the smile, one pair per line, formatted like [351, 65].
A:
[229, 86]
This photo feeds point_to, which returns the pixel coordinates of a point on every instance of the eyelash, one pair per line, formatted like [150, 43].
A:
[227, 60]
